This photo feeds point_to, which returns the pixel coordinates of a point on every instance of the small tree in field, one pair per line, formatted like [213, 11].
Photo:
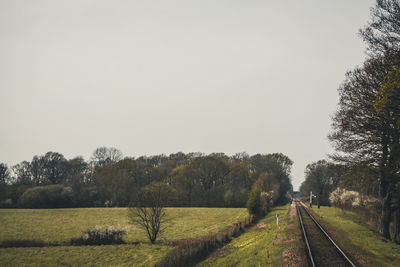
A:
[254, 201]
[148, 210]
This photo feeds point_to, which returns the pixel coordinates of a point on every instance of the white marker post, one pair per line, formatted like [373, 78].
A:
[277, 218]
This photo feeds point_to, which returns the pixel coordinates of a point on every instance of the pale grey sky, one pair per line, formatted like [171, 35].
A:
[152, 77]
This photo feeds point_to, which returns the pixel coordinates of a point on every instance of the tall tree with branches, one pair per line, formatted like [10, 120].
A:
[148, 210]
[382, 34]
[365, 127]
[4, 173]
[365, 132]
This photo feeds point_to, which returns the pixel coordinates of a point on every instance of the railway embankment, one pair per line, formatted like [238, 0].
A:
[357, 238]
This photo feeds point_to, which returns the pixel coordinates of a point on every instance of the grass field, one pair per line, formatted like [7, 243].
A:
[115, 255]
[59, 225]
[261, 246]
[353, 234]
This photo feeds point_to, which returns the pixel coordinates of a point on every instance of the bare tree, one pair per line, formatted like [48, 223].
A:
[4, 173]
[22, 173]
[148, 211]
[382, 34]
[105, 155]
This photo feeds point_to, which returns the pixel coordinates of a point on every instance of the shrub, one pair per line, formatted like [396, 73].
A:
[254, 201]
[334, 197]
[350, 199]
[50, 196]
[101, 236]
[344, 198]
[266, 200]
[187, 252]
[369, 207]
[347, 199]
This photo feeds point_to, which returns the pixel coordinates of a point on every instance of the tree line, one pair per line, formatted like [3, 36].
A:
[109, 179]
[366, 126]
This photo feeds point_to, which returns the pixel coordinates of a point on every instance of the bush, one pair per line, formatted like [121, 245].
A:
[100, 236]
[345, 199]
[50, 196]
[266, 201]
[369, 207]
[254, 201]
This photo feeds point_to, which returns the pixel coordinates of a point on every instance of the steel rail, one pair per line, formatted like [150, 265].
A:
[325, 233]
[305, 236]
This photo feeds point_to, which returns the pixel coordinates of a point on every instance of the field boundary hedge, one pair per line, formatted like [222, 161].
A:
[189, 251]
[25, 243]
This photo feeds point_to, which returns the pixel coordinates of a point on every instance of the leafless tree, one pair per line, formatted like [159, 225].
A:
[382, 34]
[4, 173]
[148, 211]
[105, 155]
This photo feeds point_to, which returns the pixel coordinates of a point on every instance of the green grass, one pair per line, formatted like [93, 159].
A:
[60, 225]
[115, 255]
[350, 232]
[261, 246]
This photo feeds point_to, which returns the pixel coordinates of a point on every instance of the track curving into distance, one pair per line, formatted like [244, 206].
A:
[321, 249]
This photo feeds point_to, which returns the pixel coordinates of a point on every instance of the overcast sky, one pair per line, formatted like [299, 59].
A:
[152, 77]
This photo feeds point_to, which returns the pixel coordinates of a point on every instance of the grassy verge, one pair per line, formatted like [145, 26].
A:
[358, 238]
[60, 225]
[262, 245]
[115, 255]
[189, 251]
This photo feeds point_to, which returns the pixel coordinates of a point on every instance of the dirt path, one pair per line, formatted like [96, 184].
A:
[293, 210]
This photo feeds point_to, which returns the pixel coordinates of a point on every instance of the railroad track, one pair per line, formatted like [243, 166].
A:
[321, 249]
